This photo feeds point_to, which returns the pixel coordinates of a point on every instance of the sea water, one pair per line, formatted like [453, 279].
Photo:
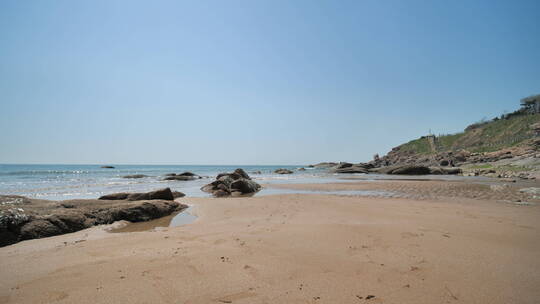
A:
[61, 182]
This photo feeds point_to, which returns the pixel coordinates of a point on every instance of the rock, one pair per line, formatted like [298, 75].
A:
[344, 165]
[187, 174]
[436, 170]
[135, 176]
[301, 169]
[444, 163]
[323, 165]
[177, 194]
[452, 171]
[161, 194]
[242, 173]
[404, 170]
[221, 193]
[180, 178]
[107, 167]
[41, 218]
[256, 172]
[237, 183]
[38, 229]
[283, 171]
[245, 186]
[445, 171]
[114, 196]
[350, 170]
[12, 200]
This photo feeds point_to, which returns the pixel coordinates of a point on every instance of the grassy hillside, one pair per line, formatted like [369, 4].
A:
[480, 137]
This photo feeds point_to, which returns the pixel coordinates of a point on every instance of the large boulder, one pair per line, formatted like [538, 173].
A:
[161, 194]
[234, 183]
[283, 171]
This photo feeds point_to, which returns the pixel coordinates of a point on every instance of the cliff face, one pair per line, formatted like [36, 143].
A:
[505, 141]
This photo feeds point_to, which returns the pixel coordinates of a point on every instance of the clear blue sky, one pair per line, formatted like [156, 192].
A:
[254, 82]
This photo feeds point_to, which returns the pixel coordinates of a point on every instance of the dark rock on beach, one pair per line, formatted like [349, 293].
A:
[180, 178]
[235, 183]
[186, 176]
[177, 194]
[135, 176]
[283, 171]
[324, 165]
[403, 170]
[107, 167]
[161, 194]
[26, 219]
[350, 168]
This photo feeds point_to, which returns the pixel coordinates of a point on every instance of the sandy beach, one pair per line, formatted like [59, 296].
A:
[294, 248]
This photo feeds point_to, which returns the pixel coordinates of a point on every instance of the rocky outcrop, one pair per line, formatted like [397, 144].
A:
[161, 194]
[31, 218]
[107, 167]
[283, 171]
[135, 176]
[232, 184]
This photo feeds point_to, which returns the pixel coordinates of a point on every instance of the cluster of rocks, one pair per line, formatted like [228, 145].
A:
[236, 183]
[42, 218]
[400, 169]
[416, 170]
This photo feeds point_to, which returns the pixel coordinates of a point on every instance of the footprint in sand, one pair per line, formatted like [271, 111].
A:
[235, 296]
[407, 235]
[251, 271]
[56, 295]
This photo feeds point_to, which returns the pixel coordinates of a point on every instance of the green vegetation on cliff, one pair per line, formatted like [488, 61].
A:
[499, 133]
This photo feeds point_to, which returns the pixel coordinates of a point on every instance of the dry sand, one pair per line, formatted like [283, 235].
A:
[297, 248]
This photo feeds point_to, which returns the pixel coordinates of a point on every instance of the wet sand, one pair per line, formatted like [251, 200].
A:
[296, 248]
